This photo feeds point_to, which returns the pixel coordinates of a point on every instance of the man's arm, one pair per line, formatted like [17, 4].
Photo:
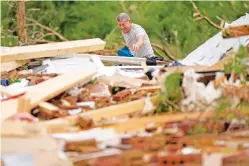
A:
[138, 44]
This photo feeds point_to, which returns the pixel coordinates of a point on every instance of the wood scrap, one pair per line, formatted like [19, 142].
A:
[51, 88]
[52, 49]
[82, 146]
[50, 111]
[235, 31]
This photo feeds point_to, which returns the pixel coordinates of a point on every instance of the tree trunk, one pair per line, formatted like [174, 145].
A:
[21, 23]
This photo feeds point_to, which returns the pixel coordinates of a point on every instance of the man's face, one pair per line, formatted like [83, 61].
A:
[124, 25]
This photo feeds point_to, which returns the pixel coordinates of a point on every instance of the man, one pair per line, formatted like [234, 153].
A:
[135, 37]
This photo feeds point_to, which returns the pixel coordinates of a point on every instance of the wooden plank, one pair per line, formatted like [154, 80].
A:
[8, 66]
[113, 59]
[102, 113]
[52, 49]
[8, 108]
[118, 110]
[52, 87]
[139, 123]
[121, 60]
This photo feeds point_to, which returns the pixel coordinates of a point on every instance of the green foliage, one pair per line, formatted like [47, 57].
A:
[173, 87]
[236, 65]
[167, 23]
[172, 95]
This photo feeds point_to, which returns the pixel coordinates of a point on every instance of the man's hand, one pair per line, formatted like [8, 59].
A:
[135, 47]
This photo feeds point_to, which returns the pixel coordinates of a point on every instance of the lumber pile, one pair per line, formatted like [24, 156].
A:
[184, 115]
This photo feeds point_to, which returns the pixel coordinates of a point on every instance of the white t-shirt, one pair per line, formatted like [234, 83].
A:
[130, 38]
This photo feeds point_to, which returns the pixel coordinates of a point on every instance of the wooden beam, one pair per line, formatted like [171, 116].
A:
[102, 113]
[8, 66]
[139, 123]
[121, 60]
[118, 110]
[52, 49]
[52, 87]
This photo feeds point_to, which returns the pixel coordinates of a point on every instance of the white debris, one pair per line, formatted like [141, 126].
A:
[74, 91]
[187, 151]
[105, 92]
[90, 104]
[17, 85]
[75, 111]
[197, 92]
[148, 107]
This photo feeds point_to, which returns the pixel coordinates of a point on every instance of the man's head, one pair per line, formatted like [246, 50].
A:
[124, 22]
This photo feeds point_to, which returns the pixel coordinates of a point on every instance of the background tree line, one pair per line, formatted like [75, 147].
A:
[174, 28]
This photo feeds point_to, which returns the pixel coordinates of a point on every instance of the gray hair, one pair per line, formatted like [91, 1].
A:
[123, 16]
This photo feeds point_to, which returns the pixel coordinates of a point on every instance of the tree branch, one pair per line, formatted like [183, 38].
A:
[165, 50]
[201, 16]
[36, 23]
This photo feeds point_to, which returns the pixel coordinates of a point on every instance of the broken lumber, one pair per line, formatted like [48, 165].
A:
[118, 110]
[52, 49]
[52, 87]
[102, 113]
[8, 66]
